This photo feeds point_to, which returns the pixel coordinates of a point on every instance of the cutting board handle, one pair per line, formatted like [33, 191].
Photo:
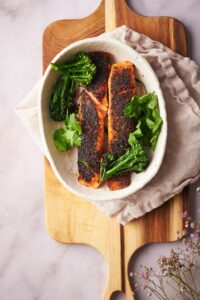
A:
[115, 11]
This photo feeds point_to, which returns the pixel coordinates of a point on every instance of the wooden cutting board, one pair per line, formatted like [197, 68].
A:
[70, 219]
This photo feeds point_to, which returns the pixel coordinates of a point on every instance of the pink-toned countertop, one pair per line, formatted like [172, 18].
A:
[32, 265]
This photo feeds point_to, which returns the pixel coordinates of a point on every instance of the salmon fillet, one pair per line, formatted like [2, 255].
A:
[99, 85]
[92, 112]
[91, 116]
[121, 88]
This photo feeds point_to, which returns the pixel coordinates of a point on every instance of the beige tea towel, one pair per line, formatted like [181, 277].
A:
[180, 82]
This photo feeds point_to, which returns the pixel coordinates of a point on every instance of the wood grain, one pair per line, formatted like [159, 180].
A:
[70, 219]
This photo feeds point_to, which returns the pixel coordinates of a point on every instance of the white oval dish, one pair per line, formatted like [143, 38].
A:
[64, 165]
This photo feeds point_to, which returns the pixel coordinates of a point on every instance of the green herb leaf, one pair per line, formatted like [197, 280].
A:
[135, 136]
[149, 122]
[72, 123]
[68, 136]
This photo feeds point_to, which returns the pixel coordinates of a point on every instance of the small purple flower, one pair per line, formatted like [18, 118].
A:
[184, 214]
[178, 262]
[145, 275]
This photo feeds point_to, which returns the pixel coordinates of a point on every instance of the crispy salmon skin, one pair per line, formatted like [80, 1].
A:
[121, 88]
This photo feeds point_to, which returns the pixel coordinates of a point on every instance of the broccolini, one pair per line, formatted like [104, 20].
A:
[78, 72]
[134, 159]
[61, 99]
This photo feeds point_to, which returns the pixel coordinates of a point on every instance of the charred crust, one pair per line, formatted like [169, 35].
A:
[88, 156]
[121, 126]
[122, 79]
[99, 92]
[118, 102]
[89, 116]
[103, 61]
[121, 90]
[98, 85]
[119, 182]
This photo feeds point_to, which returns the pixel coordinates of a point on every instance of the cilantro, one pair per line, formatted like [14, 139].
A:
[149, 122]
[69, 136]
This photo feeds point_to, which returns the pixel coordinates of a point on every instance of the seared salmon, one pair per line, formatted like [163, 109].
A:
[99, 85]
[121, 88]
[92, 112]
[91, 116]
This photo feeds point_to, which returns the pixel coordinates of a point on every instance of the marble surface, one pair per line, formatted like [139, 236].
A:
[32, 265]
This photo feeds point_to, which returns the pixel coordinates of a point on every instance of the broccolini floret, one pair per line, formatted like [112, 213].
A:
[78, 72]
[81, 69]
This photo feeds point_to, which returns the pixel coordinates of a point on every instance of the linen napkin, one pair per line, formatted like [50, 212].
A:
[180, 82]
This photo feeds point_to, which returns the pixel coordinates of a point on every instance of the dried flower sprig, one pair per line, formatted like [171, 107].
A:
[180, 270]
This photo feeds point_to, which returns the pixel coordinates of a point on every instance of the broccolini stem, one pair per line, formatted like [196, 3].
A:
[117, 168]
[65, 80]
